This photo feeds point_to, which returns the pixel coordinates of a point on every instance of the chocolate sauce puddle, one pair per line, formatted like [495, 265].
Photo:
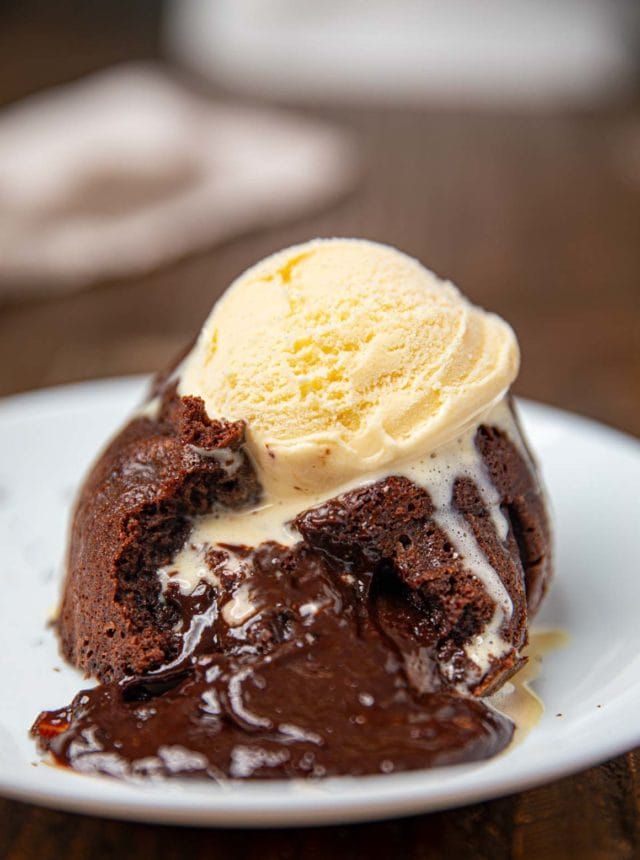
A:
[318, 675]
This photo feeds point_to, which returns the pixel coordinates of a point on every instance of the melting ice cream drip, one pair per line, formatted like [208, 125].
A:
[437, 474]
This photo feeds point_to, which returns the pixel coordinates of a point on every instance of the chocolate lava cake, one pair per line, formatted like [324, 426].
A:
[353, 653]
[334, 581]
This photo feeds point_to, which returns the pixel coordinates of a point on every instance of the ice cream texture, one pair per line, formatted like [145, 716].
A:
[343, 357]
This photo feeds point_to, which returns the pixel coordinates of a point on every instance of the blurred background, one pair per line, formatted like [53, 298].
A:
[149, 152]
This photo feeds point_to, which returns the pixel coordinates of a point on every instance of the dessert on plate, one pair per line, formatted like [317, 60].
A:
[317, 547]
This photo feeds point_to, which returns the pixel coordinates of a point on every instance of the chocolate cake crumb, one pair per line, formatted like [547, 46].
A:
[134, 511]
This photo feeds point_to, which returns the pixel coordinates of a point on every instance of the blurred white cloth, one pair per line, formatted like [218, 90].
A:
[127, 169]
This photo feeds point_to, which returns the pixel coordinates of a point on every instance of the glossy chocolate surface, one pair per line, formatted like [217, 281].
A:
[329, 673]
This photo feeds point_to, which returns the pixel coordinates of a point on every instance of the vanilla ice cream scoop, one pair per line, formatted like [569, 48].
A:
[345, 356]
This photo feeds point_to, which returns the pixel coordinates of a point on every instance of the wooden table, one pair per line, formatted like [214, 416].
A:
[537, 217]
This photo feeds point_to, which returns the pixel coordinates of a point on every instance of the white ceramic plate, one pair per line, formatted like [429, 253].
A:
[48, 438]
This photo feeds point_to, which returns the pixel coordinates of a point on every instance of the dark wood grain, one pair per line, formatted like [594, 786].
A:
[537, 217]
